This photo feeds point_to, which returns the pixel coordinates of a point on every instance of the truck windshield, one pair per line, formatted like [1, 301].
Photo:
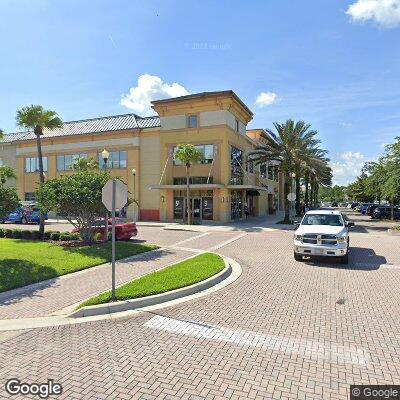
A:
[322, 219]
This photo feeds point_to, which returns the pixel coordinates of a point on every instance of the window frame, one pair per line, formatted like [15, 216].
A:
[188, 117]
[111, 162]
[45, 164]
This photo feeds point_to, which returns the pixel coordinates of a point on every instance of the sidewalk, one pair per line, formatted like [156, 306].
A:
[63, 293]
[252, 224]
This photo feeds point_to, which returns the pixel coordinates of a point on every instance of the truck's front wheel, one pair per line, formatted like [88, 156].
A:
[345, 259]
[298, 257]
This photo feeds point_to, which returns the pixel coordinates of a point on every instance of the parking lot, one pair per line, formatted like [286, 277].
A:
[283, 330]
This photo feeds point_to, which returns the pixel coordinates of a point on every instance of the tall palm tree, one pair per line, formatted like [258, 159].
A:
[290, 147]
[37, 118]
[188, 154]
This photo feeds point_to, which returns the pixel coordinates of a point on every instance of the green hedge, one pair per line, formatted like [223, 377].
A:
[34, 235]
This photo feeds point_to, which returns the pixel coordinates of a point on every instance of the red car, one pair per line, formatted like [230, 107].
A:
[124, 230]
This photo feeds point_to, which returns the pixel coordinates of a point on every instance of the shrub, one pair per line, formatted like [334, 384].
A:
[47, 235]
[97, 237]
[8, 233]
[65, 237]
[76, 236]
[16, 234]
[35, 235]
[26, 234]
[55, 236]
[2, 233]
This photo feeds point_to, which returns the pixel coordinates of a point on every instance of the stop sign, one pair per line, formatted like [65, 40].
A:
[121, 194]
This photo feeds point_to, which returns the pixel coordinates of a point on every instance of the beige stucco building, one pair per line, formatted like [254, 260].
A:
[224, 185]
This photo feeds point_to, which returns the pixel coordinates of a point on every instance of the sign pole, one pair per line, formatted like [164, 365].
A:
[113, 242]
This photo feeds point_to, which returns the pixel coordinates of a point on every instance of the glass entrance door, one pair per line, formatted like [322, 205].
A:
[195, 208]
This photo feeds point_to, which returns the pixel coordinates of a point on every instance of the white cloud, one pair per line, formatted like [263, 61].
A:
[149, 88]
[265, 99]
[347, 167]
[385, 13]
[346, 124]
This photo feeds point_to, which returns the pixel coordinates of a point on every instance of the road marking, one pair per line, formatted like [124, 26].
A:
[226, 242]
[189, 239]
[306, 348]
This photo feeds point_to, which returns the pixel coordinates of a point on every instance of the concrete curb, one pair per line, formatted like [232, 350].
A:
[50, 321]
[120, 306]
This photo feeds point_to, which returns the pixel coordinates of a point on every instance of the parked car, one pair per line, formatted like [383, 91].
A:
[383, 212]
[353, 205]
[370, 209]
[343, 205]
[364, 206]
[124, 230]
[334, 204]
[322, 233]
[27, 214]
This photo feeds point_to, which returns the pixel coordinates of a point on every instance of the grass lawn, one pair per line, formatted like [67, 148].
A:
[183, 274]
[24, 262]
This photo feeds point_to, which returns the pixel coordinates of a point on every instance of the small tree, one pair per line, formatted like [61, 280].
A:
[85, 164]
[38, 119]
[1, 134]
[77, 198]
[9, 201]
[188, 154]
[5, 174]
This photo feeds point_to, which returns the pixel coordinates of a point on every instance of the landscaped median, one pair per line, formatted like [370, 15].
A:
[25, 262]
[184, 278]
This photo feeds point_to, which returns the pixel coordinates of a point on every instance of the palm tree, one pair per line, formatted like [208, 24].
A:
[5, 174]
[290, 146]
[1, 134]
[37, 118]
[188, 154]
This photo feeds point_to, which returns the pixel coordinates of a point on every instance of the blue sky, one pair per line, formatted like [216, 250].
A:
[318, 60]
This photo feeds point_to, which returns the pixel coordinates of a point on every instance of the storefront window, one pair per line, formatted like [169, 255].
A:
[236, 166]
[236, 204]
[178, 207]
[207, 208]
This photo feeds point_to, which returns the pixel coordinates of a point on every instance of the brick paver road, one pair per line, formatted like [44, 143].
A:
[283, 330]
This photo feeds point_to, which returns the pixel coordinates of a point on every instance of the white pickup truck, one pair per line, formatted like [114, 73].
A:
[322, 233]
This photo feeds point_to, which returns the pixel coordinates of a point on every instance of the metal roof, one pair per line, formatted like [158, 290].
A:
[94, 125]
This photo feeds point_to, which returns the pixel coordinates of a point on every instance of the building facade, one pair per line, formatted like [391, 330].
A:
[225, 185]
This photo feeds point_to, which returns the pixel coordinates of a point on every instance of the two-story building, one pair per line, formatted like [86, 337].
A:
[224, 186]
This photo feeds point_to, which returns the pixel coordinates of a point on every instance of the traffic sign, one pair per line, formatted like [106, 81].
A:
[291, 196]
[121, 194]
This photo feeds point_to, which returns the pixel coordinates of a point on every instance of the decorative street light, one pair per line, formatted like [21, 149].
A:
[134, 192]
[105, 155]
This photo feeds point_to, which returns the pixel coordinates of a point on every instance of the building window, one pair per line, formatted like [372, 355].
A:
[236, 204]
[192, 121]
[250, 165]
[236, 166]
[30, 196]
[178, 207]
[236, 125]
[32, 164]
[193, 180]
[263, 170]
[206, 149]
[66, 162]
[117, 159]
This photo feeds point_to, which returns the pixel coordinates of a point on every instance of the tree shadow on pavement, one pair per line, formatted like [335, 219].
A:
[17, 274]
[360, 259]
